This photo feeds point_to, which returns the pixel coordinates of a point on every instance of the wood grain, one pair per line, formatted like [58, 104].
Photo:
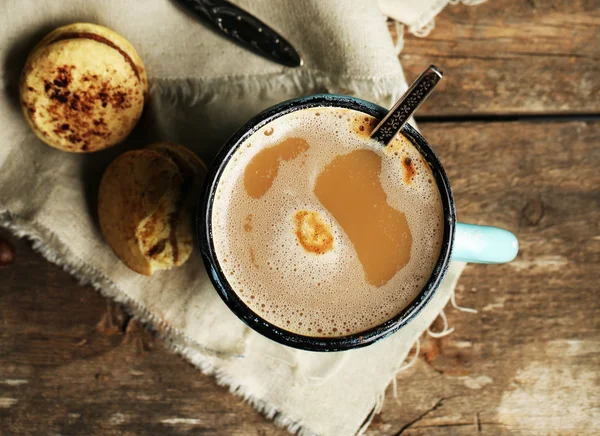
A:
[511, 57]
[71, 363]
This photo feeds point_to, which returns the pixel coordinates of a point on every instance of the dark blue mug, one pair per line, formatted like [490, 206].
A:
[463, 242]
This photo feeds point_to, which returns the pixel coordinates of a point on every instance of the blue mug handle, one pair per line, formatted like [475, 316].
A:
[484, 244]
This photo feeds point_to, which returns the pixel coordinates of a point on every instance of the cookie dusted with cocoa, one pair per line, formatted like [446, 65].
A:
[146, 206]
[83, 88]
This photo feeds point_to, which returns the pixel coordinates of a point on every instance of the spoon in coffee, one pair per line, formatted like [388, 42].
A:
[407, 105]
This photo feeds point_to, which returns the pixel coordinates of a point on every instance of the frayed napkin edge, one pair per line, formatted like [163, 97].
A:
[49, 245]
[191, 91]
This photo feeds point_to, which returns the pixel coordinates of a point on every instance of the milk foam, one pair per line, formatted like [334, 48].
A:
[320, 294]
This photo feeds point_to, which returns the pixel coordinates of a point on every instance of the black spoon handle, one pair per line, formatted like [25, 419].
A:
[244, 29]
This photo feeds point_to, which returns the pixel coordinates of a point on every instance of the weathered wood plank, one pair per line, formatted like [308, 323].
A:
[511, 57]
[527, 362]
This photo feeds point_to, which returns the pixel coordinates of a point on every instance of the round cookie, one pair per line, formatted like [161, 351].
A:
[83, 88]
[146, 206]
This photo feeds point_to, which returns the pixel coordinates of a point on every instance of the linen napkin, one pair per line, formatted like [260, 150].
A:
[203, 88]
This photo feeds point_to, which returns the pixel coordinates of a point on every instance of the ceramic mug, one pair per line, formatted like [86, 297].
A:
[463, 242]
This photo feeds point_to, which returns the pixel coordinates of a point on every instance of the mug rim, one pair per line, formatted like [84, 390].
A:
[279, 334]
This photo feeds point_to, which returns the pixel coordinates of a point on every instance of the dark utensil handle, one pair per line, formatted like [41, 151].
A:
[407, 105]
[245, 29]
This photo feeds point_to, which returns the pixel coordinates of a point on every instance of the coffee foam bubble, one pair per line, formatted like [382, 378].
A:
[320, 294]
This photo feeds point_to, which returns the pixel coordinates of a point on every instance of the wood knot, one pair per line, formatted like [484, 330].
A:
[533, 212]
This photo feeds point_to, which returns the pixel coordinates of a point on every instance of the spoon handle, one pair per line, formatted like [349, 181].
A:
[407, 105]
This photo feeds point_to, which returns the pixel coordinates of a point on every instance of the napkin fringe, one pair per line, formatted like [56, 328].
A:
[426, 23]
[51, 248]
[293, 425]
[191, 91]
[46, 243]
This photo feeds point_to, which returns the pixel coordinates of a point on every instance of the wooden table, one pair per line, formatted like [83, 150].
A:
[516, 123]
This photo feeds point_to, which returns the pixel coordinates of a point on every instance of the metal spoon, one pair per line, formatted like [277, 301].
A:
[407, 105]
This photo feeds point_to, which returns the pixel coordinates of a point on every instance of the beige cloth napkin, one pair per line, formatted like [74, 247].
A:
[202, 89]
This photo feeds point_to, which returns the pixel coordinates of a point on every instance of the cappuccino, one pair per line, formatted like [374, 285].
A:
[321, 230]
